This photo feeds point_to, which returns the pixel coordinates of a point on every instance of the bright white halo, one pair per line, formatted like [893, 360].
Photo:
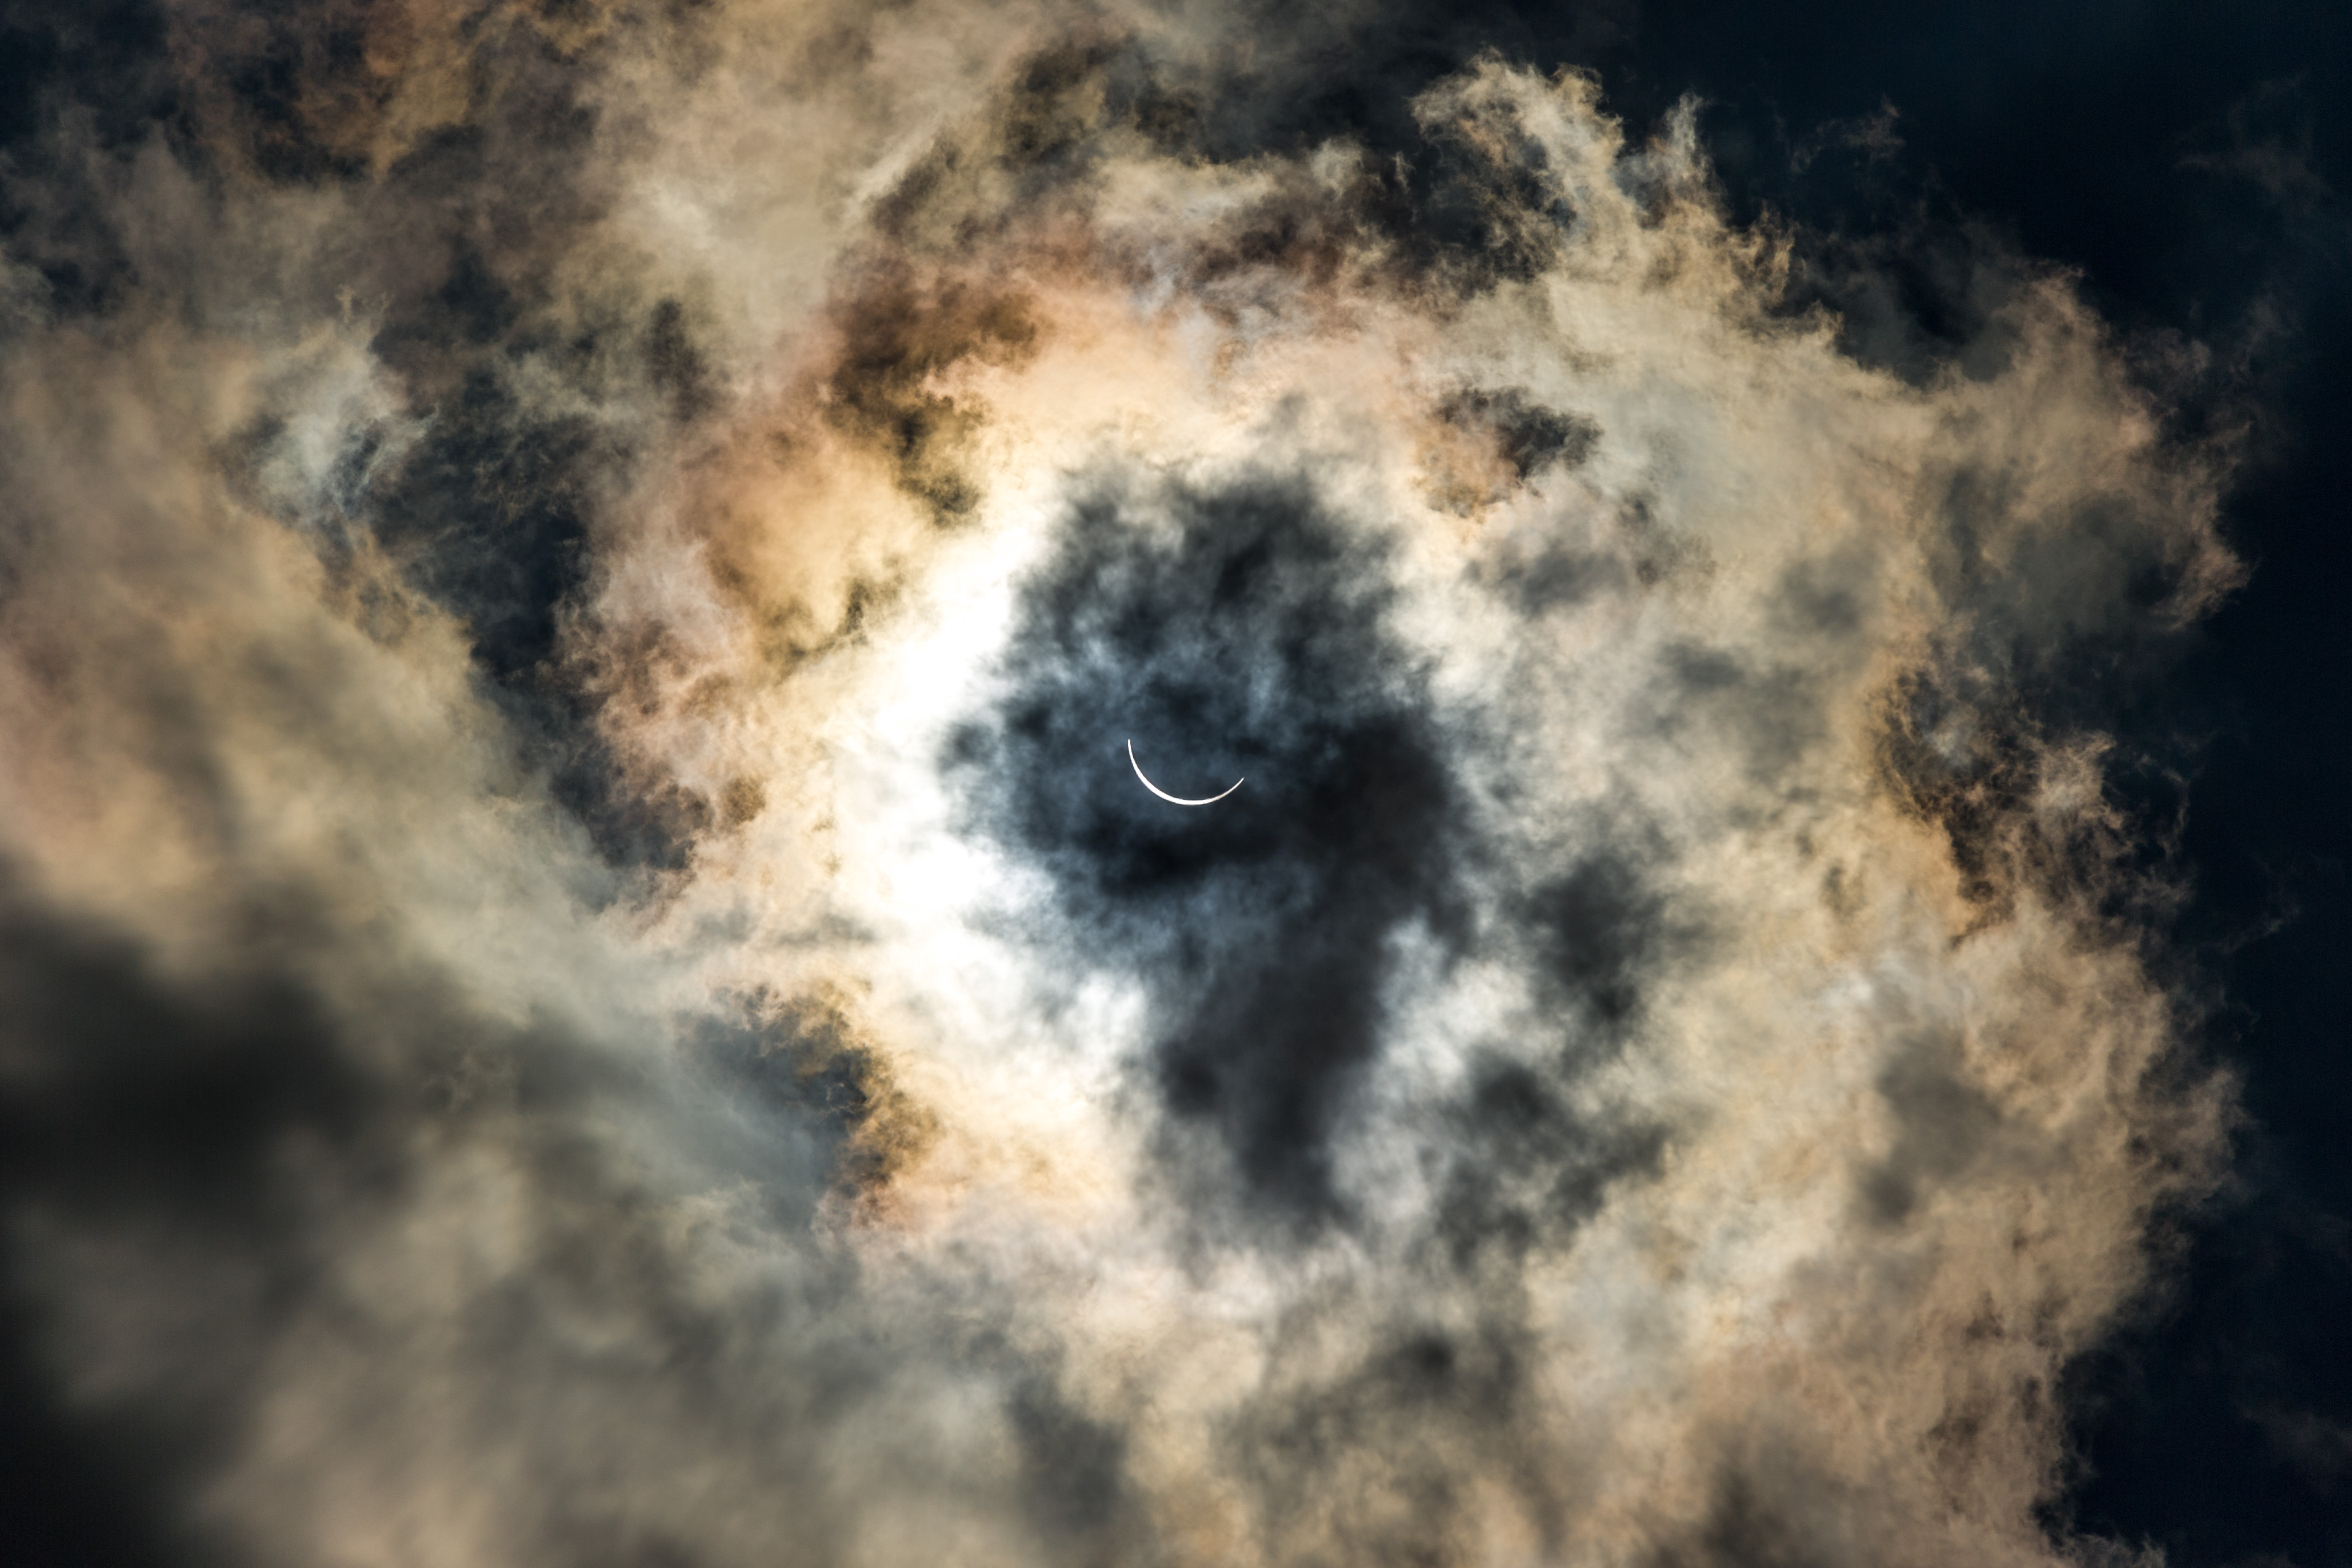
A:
[1174, 800]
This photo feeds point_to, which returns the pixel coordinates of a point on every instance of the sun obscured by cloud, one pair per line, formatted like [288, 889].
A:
[593, 977]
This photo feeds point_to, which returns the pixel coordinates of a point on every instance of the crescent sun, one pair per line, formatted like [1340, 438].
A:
[1175, 800]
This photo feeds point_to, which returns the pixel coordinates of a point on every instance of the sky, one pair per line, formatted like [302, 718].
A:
[591, 976]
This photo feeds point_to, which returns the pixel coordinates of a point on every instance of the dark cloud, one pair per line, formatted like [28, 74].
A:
[1231, 632]
[1768, 1513]
[236, 1134]
[1528, 436]
[1528, 1170]
[1942, 1127]
[124, 1099]
[1444, 1410]
[899, 336]
[1073, 1480]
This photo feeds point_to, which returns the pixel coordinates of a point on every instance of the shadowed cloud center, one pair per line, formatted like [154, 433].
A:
[1236, 631]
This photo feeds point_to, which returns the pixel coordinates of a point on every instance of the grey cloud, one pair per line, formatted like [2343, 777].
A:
[1234, 631]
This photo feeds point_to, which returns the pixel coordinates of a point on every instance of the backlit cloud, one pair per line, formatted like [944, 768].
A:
[589, 977]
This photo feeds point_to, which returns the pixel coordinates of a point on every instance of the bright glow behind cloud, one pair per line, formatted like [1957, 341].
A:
[600, 745]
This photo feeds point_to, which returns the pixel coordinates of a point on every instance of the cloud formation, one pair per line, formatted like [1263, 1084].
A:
[588, 979]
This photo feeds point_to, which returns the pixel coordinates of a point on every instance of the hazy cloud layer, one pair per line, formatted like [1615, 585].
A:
[586, 975]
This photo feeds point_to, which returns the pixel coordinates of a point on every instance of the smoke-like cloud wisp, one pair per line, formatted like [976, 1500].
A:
[588, 979]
